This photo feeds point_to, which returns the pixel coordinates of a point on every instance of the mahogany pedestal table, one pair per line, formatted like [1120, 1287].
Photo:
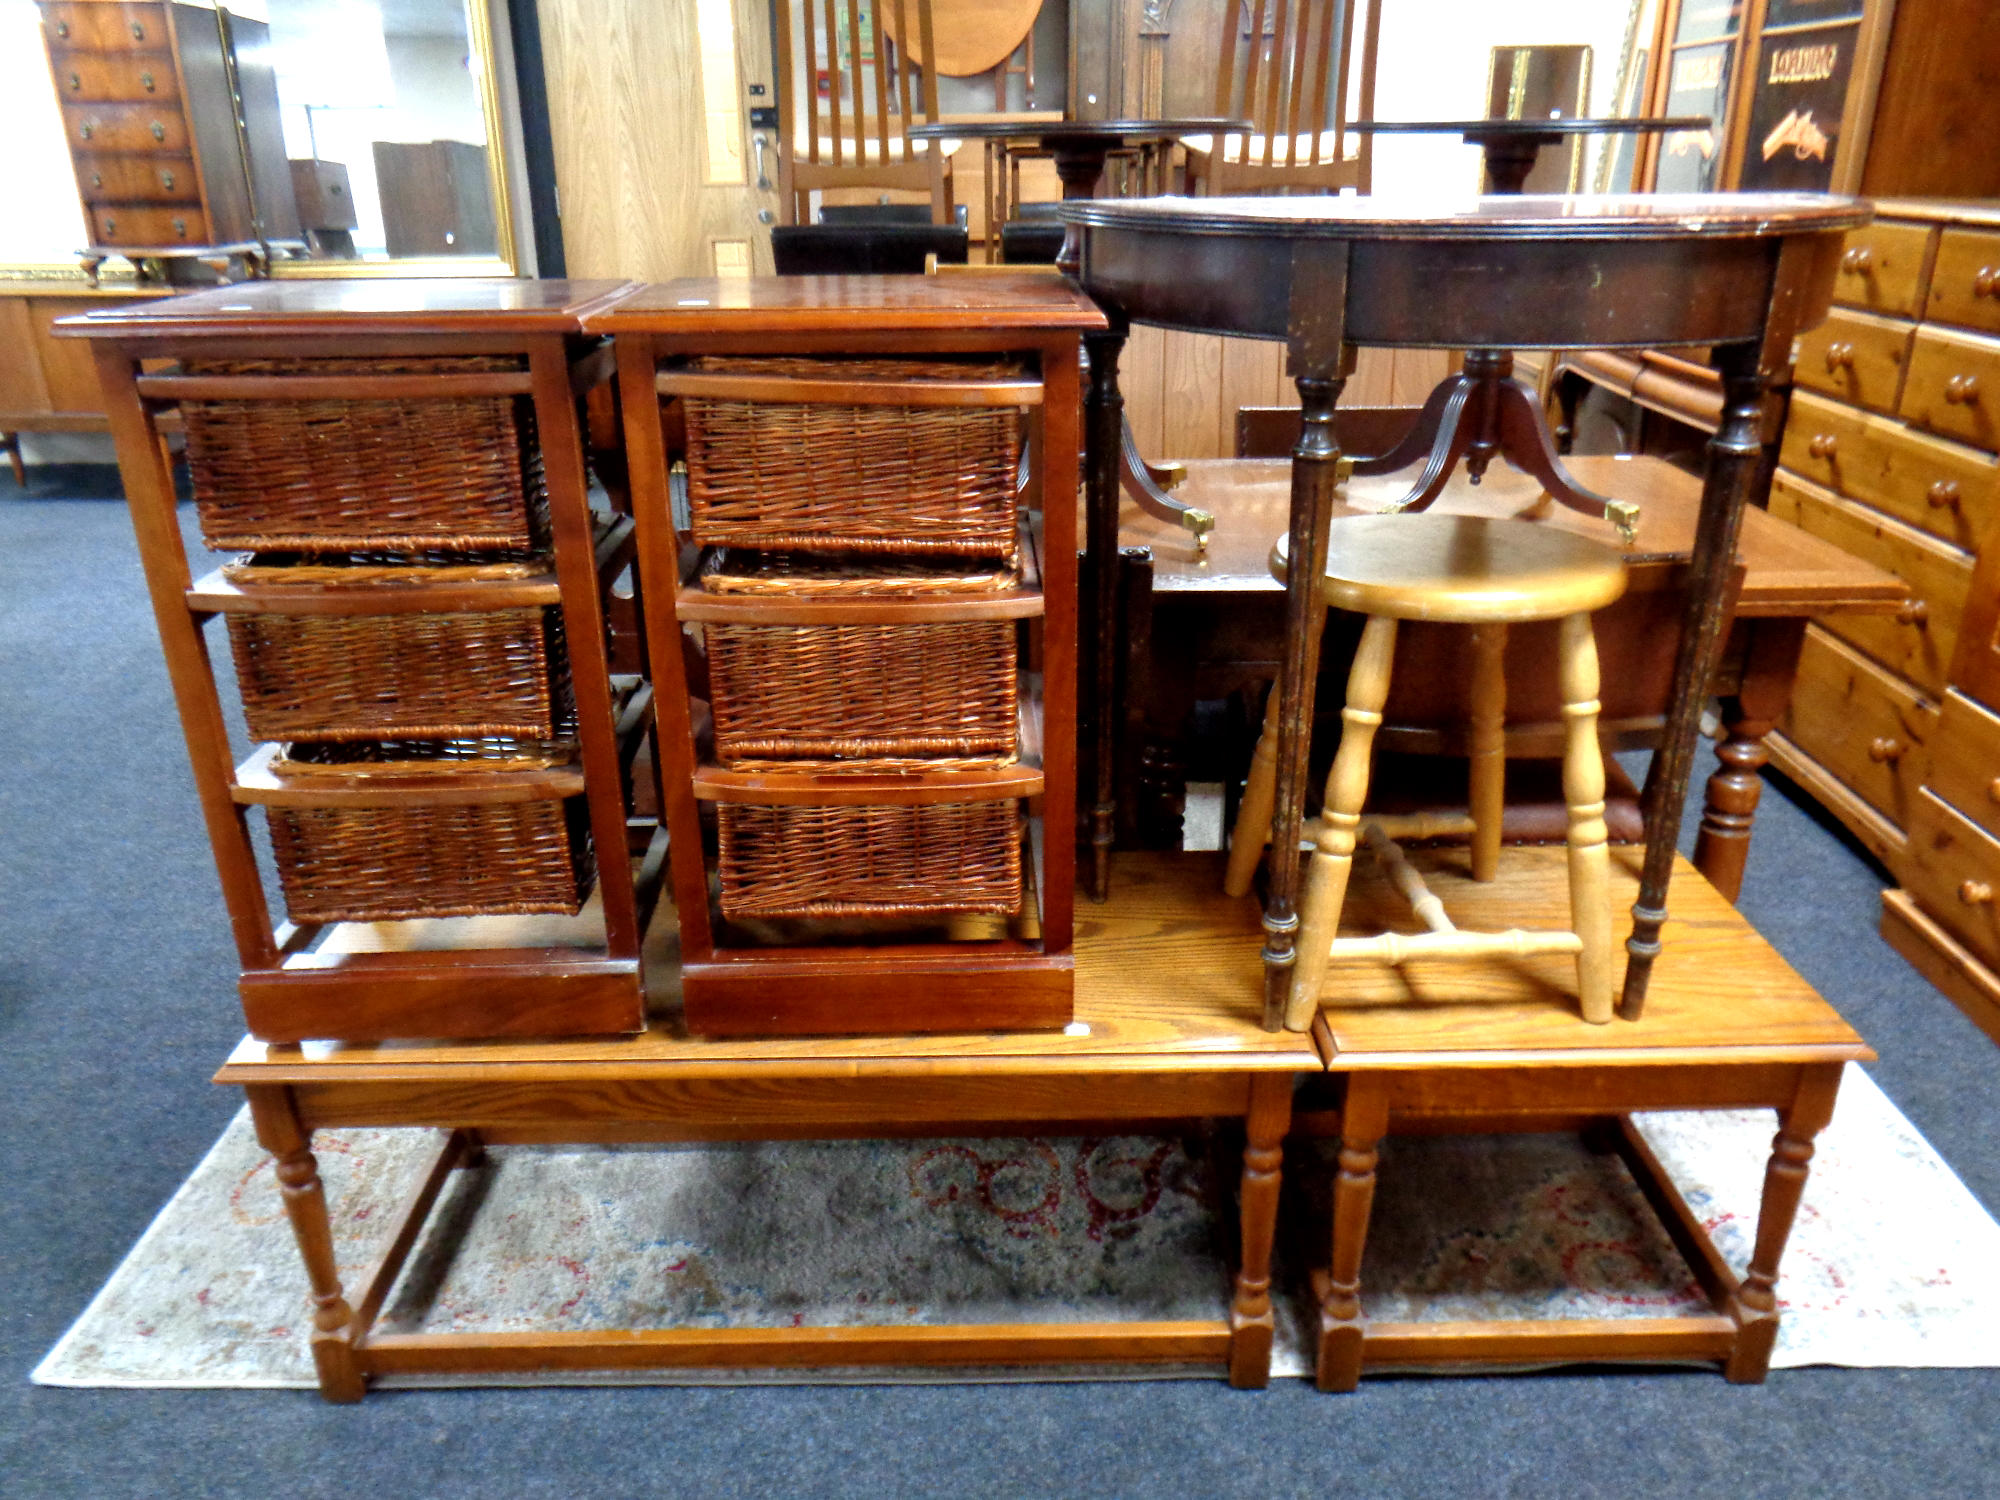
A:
[1457, 1046]
[1741, 272]
[1168, 1031]
[1080, 150]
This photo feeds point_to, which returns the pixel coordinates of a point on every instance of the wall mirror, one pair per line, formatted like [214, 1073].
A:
[391, 118]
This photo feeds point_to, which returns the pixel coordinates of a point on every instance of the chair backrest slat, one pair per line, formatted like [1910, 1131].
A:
[833, 73]
[877, 51]
[1295, 85]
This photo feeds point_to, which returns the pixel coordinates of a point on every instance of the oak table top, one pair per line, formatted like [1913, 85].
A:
[301, 308]
[784, 304]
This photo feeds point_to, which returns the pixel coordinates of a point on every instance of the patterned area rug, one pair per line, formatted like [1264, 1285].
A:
[1889, 1265]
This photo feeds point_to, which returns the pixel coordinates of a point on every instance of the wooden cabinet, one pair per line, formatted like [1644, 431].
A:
[1896, 719]
[172, 117]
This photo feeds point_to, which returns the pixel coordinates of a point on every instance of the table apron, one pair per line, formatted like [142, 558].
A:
[750, 1108]
[1579, 293]
[1477, 1099]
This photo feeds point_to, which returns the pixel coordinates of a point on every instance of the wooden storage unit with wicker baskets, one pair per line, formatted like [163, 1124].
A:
[880, 719]
[415, 611]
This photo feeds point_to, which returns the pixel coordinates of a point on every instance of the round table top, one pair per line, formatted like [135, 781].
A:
[1075, 130]
[1534, 216]
[1529, 129]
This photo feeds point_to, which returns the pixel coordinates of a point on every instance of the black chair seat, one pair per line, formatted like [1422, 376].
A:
[864, 249]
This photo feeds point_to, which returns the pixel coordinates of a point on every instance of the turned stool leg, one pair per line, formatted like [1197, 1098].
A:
[1589, 839]
[1253, 816]
[1340, 820]
[1488, 768]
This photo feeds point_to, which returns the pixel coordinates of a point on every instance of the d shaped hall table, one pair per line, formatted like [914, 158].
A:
[1740, 272]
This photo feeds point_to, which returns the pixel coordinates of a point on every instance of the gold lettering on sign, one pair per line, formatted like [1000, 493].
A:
[1804, 64]
[1698, 72]
[1799, 132]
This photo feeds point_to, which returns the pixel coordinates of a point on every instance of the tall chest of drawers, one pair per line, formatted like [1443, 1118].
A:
[171, 112]
[1890, 451]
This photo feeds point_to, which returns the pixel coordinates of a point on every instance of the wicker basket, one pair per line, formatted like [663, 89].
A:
[904, 860]
[793, 575]
[401, 474]
[816, 477]
[412, 676]
[863, 691]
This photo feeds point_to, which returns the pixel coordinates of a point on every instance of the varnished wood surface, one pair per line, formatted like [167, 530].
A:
[786, 304]
[1167, 979]
[1465, 569]
[294, 309]
[1786, 571]
[1720, 994]
[1540, 216]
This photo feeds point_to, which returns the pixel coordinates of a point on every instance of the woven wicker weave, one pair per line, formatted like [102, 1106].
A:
[812, 477]
[380, 864]
[861, 691]
[314, 475]
[903, 860]
[412, 676]
[795, 576]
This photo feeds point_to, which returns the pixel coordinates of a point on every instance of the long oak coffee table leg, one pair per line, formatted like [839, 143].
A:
[275, 1114]
[1364, 1120]
[1252, 1324]
[1755, 1306]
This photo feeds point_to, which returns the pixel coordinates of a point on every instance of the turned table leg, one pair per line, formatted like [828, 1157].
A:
[1252, 1324]
[1364, 1120]
[1104, 417]
[1771, 662]
[279, 1130]
[1755, 1305]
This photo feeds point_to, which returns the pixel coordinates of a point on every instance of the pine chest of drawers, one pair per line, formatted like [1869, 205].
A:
[1890, 451]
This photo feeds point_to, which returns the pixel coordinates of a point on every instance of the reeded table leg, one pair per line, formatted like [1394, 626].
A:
[1252, 1324]
[1755, 1306]
[1104, 426]
[279, 1131]
[1735, 467]
[1315, 478]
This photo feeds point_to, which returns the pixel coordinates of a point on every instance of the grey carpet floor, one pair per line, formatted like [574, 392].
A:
[116, 1004]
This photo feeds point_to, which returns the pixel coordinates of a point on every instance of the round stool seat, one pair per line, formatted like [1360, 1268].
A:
[1467, 570]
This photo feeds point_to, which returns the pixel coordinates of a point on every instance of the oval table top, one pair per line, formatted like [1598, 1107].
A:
[1553, 125]
[1537, 216]
[1076, 130]
[1533, 271]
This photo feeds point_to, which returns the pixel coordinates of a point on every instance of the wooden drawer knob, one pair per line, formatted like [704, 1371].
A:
[1839, 356]
[146, 82]
[1993, 790]
[86, 130]
[167, 181]
[75, 83]
[159, 131]
[1860, 261]
[1976, 893]
[1942, 493]
[181, 228]
[110, 226]
[62, 29]
[1887, 748]
[1823, 445]
[1986, 282]
[1913, 612]
[1961, 390]
[138, 31]
[97, 179]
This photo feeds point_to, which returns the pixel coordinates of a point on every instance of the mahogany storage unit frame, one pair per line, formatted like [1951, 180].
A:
[670, 340]
[497, 807]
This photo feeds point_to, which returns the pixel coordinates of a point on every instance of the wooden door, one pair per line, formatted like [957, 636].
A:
[656, 168]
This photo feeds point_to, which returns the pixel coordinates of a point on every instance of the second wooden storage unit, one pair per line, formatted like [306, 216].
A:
[883, 622]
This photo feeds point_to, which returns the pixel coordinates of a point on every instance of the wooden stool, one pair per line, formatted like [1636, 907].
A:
[1488, 574]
